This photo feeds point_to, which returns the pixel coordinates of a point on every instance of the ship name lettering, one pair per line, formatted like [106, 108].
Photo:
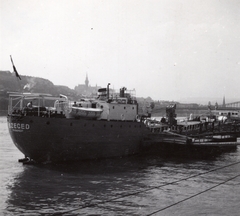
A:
[19, 126]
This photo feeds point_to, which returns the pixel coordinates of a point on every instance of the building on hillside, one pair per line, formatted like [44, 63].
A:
[85, 89]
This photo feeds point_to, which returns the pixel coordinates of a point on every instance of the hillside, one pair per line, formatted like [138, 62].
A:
[10, 83]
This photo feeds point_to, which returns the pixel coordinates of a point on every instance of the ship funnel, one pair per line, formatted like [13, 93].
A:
[108, 90]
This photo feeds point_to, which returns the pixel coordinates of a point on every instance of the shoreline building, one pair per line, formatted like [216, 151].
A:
[86, 90]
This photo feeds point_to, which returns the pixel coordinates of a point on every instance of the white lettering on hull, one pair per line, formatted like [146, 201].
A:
[18, 127]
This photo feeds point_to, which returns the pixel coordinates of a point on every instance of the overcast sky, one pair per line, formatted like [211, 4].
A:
[165, 49]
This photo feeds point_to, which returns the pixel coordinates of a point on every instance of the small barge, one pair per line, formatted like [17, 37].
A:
[171, 144]
[190, 138]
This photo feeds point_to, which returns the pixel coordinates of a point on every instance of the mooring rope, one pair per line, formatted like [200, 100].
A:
[87, 205]
[190, 197]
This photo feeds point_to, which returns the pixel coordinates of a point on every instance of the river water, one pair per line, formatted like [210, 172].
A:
[125, 186]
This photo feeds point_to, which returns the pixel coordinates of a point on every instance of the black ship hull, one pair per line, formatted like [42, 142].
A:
[61, 139]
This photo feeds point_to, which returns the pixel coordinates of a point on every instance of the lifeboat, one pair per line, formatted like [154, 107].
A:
[83, 112]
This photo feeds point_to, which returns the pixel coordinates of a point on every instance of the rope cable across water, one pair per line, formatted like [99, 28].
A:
[87, 205]
[201, 192]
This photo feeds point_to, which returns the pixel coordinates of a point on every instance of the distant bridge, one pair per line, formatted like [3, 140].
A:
[234, 104]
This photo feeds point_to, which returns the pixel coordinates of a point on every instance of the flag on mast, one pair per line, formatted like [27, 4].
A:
[14, 69]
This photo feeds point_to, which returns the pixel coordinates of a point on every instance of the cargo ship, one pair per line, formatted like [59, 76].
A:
[48, 128]
[56, 129]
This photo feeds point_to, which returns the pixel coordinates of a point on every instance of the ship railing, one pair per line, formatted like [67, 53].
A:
[209, 136]
[17, 106]
[39, 109]
[130, 95]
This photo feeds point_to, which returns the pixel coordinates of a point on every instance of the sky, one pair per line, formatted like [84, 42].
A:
[181, 50]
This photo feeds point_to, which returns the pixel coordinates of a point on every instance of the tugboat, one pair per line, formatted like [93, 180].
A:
[57, 129]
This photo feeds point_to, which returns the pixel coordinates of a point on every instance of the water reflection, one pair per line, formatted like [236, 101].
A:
[42, 189]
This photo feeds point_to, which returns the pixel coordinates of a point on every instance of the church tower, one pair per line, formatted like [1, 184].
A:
[224, 105]
[86, 81]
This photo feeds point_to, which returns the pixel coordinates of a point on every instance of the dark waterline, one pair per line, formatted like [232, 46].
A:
[123, 186]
